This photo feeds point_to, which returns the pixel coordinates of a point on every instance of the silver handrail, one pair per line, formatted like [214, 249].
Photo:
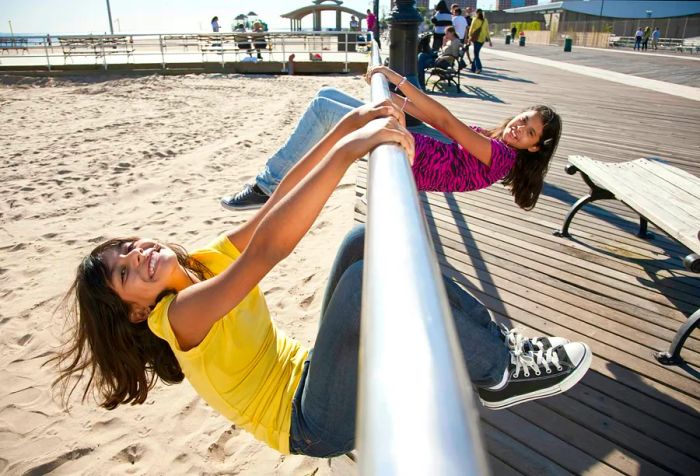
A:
[415, 411]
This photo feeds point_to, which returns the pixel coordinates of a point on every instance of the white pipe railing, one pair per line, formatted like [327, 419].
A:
[415, 410]
[172, 48]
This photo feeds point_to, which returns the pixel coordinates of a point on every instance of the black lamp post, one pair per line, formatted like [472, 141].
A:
[403, 39]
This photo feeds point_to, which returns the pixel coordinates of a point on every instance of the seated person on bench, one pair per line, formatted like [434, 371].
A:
[259, 42]
[447, 55]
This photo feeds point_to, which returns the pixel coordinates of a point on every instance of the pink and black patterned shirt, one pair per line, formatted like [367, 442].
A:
[441, 167]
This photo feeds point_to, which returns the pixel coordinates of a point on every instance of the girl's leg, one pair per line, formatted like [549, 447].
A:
[483, 347]
[324, 112]
[324, 408]
[424, 60]
[476, 65]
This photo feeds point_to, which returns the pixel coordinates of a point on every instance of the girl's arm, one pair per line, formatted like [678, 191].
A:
[428, 110]
[240, 236]
[195, 309]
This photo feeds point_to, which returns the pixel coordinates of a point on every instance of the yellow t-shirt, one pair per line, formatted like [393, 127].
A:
[245, 368]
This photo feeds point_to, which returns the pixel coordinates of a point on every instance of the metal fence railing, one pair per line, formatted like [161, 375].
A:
[415, 411]
[177, 48]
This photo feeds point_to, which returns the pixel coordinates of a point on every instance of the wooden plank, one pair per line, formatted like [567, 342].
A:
[623, 436]
[672, 197]
[673, 175]
[563, 451]
[517, 455]
[646, 423]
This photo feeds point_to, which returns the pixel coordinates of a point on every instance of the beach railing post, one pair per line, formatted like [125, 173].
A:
[347, 47]
[284, 55]
[162, 51]
[404, 295]
[101, 39]
[46, 52]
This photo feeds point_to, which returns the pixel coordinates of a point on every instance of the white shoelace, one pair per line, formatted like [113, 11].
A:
[529, 359]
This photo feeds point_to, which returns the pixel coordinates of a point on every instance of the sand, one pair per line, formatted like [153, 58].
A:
[88, 158]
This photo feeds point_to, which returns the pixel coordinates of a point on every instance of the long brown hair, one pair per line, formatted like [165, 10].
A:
[526, 178]
[121, 360]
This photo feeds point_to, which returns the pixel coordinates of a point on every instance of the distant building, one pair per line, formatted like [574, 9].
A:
[505, 4]
[675, 19]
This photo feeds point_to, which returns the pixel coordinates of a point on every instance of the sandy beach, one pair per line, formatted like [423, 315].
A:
[88, 158]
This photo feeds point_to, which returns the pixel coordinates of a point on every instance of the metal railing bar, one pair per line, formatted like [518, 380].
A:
[415, 412]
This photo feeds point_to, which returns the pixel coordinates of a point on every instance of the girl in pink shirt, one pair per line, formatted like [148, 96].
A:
[516, 152]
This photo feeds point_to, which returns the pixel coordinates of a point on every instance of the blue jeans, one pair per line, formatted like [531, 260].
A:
[425, 60]
[476, 64]
[326, 109]
[324, 405]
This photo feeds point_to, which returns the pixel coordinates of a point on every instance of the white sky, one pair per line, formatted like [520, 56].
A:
[156, 16]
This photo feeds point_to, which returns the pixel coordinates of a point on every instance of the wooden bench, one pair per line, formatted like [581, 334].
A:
[8, 43]
[661, 194]
[180, 41]
[451, 74]
[96, 46]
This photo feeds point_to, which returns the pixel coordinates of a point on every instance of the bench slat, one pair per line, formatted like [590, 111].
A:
[652, 179]
[648, 195]
[689, 183]
[685, 204]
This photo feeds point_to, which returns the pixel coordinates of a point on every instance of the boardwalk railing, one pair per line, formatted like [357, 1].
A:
[415, 412]
[177, 48]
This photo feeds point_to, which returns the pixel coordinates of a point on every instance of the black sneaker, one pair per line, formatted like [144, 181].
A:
[247, 199]
[517, 342]
[539, 374]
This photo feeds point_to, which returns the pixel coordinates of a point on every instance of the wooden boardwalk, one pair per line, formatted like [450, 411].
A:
[624, 296]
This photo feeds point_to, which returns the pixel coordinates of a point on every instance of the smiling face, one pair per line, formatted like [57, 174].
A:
[524, 131]
[139, 270]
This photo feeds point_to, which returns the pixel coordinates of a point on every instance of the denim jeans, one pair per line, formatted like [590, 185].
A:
[476, 64]
[425, 60]
[324, 405]
[325, 111]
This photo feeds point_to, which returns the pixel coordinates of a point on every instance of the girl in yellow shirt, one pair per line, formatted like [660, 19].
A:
[146, 310]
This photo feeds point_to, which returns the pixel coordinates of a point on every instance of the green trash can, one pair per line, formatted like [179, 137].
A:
[567, 44]
[507, 39]
[522, 40]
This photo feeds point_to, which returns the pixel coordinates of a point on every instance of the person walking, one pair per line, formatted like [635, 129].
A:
[459, 22]
[478, 34]
[215, 25]
[645, 38]
[440, 20]
[655, 36]
[638, 39]
[372, 25]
